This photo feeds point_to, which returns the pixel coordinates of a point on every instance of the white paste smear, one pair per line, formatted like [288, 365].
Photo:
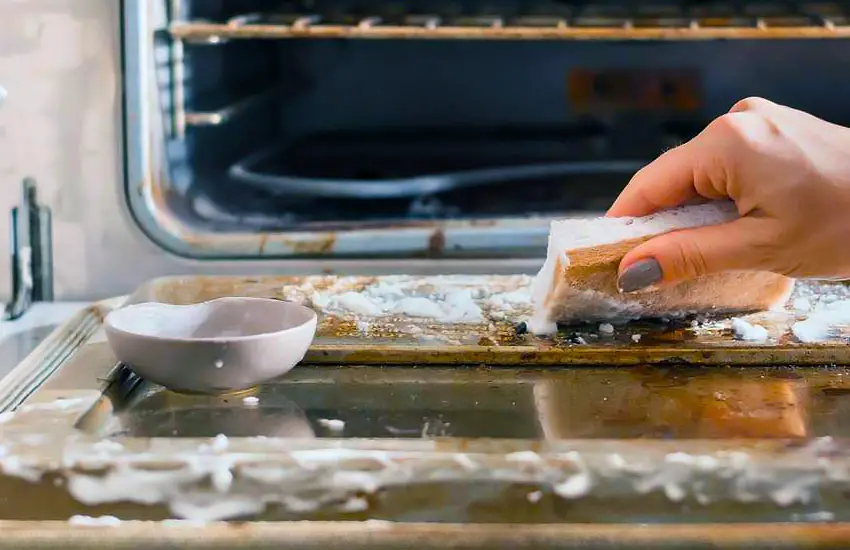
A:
[748, 332]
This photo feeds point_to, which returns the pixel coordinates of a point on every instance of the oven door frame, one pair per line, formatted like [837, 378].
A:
[148, 186]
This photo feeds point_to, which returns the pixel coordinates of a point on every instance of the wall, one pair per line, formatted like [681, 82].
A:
[59, 61]
[61, 124]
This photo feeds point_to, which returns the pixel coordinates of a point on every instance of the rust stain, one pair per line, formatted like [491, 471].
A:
[315, 245]
[323, 244]
[320, 238]
[437, 243]
[99, 313]
[159, 193]
[156, 187]
[337, 328]
[370, 224]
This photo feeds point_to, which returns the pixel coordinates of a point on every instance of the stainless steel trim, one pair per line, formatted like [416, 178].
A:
[51, 354]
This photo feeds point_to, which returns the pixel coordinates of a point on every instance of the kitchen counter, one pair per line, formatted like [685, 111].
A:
[20, 337]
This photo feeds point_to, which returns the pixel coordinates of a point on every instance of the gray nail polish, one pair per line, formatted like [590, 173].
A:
[640, 275]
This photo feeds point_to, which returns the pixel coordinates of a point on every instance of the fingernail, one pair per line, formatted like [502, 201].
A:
[640, 275]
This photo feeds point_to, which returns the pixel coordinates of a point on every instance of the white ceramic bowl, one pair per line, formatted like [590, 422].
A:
[217, 346]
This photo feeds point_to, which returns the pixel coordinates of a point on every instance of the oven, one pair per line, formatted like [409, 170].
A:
[336, 136]
[269, 140]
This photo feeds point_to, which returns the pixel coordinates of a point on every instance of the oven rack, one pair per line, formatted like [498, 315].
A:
[227, 111]
[609, 22]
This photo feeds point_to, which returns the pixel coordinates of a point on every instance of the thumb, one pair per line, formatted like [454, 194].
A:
[692, 253]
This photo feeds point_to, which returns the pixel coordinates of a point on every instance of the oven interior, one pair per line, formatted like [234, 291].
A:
[282, 129]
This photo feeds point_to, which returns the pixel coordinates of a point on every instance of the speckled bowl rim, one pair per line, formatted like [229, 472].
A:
[313, 318]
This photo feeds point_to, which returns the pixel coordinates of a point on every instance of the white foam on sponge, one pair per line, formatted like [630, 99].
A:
[748, 332]
[578, 233]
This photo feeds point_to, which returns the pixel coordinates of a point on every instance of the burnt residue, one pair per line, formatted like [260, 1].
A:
[399, 340]
[659, 333]
[662, 377]
[322, 244]
[674, 361]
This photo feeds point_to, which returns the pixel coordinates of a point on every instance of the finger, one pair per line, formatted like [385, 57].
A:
[671, 180]
[692, 253]
[784, 114]
[665, 182]
[756, 105]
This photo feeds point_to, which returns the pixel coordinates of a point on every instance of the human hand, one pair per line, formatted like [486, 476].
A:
[788, 173]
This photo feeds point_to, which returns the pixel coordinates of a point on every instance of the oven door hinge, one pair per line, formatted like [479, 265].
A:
[31, 250]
